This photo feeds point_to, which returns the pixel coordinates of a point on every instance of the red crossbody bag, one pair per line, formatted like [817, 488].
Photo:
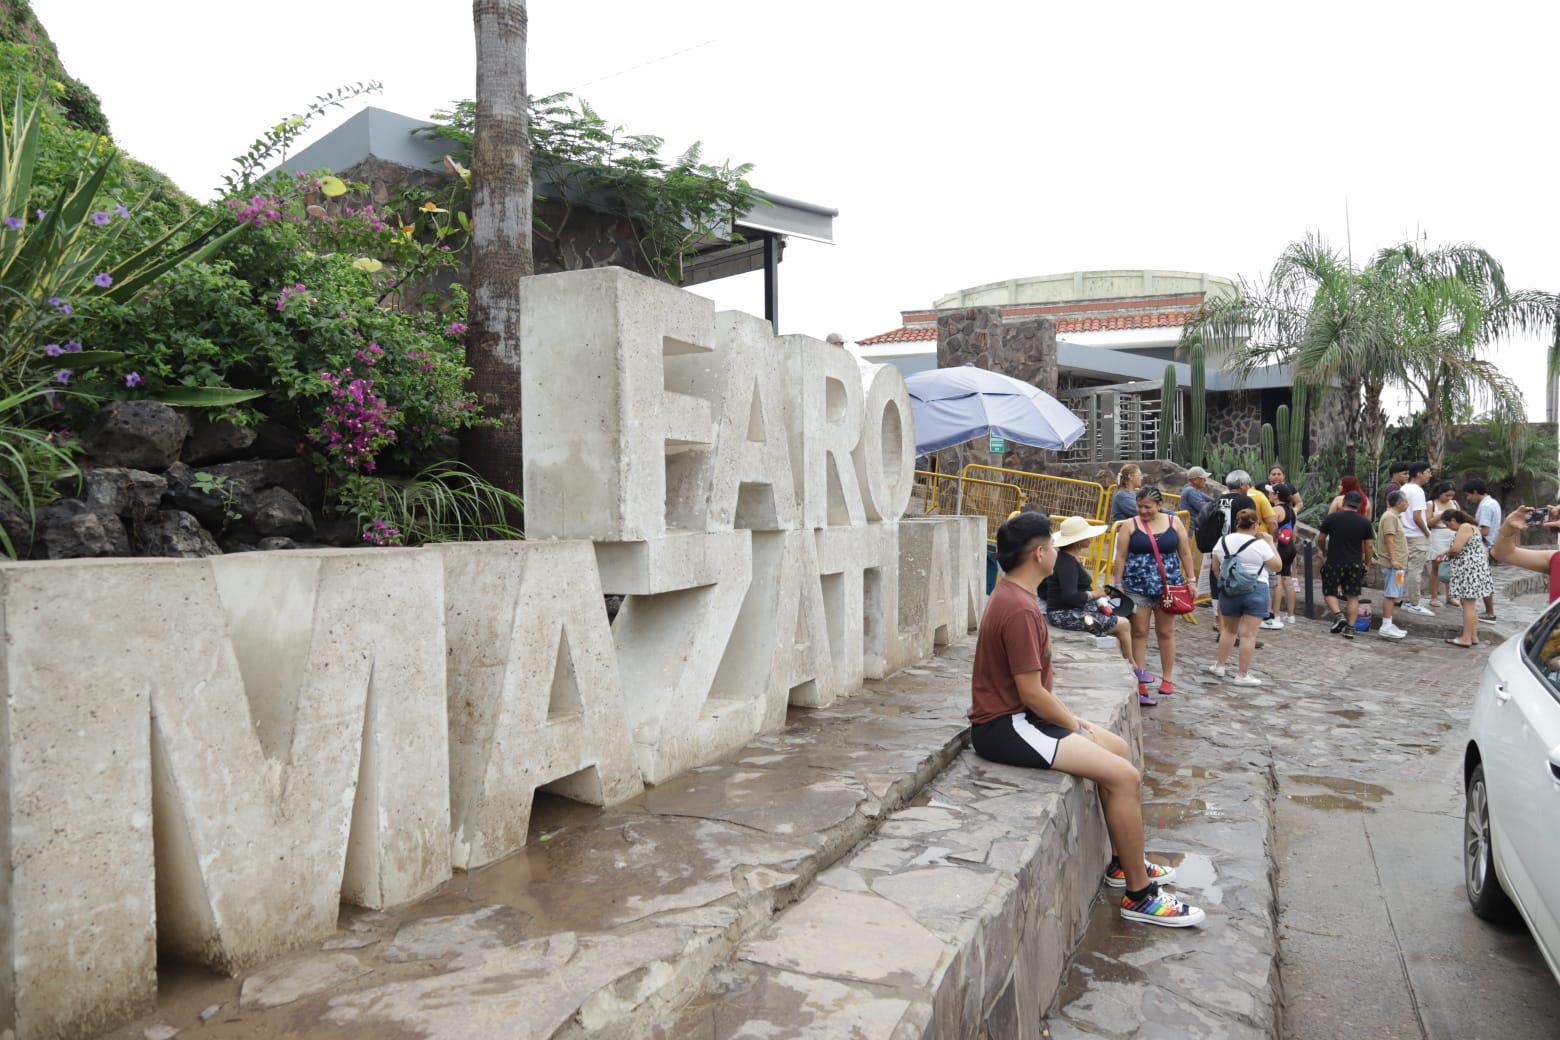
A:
[1173, 599]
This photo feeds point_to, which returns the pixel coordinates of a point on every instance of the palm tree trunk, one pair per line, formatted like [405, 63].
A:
[1435, 432]
[1353, 414]
[500, 240]
[1374, 433]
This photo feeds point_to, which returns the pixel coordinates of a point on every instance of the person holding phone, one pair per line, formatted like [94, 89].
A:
[1544, 561]
[1392, 557]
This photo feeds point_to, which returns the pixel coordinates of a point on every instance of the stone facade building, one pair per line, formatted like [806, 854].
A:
[1099, 341]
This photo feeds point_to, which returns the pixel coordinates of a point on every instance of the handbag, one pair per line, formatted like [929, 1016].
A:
[1173, 599]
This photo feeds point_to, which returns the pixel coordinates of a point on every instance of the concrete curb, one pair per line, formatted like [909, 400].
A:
[953, 921]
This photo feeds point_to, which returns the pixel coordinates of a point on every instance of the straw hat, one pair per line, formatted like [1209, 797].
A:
[1075, 529]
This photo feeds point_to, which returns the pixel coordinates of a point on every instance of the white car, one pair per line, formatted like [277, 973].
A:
[1511, 780]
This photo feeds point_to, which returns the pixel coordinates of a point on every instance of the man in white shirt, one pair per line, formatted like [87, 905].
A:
[1487, 516]
[1416, 528]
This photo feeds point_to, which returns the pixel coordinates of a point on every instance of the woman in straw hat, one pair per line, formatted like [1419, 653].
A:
[1071, 600]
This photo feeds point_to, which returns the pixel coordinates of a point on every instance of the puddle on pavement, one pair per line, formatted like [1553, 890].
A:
[1358, 788]
[1172, 814]
[1330, 802]
[1195, 871]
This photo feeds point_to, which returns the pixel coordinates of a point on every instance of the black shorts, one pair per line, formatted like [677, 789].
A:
[1024, 740]
[1342, 580]
[1286, 556]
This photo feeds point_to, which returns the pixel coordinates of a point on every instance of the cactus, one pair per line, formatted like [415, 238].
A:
[1281, 431]
[1292, 445]
[1167, 412]
[1197, 428]
[1268, 449]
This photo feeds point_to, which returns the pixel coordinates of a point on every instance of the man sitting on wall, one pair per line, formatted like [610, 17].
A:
[1016, 720]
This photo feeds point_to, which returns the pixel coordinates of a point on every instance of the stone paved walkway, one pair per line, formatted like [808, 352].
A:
[1364, 738]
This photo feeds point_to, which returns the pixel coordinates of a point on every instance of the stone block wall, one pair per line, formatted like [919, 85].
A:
[207, 756]
[1025, 350]
[1235, 418]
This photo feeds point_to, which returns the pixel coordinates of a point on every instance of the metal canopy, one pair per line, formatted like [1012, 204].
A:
[390, 137]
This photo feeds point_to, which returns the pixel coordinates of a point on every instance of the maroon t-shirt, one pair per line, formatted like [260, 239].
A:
[1013, 640]
[1554, 577]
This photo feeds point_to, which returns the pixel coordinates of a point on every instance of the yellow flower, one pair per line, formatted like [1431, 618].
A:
[431, 207]
[406, 229]
[57, 85]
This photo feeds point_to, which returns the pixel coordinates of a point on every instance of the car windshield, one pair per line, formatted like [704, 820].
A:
[1541, 647]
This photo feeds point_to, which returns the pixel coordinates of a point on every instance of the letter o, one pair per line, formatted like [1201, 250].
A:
[885, 455]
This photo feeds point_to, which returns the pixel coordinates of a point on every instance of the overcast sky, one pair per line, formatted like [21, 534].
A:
[962, 143]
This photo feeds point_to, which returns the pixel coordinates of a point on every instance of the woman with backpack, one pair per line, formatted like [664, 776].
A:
[1152, 557]
[1286, 503]
[1244, 558]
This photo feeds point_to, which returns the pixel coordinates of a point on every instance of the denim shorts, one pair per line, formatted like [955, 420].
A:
[1255, 603]
[1389, 586]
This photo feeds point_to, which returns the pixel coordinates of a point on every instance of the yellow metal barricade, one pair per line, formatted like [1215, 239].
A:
[948, 494]
[1058, 496]
[1171, 502]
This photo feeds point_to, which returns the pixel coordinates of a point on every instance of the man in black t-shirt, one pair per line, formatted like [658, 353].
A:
[1345, 538]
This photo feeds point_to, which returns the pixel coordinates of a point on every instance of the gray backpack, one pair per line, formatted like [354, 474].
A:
[1232, 580]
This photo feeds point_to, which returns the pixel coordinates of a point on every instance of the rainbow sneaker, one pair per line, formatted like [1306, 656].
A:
[1115, 877]
[1161, 908]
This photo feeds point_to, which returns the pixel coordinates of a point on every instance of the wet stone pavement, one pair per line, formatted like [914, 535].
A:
[1341, 780]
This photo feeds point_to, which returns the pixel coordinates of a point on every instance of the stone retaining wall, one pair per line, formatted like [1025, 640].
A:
[207, 756]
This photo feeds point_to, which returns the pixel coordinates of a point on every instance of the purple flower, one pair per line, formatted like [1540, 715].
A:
[40, 213]
[60, 305]
[103, 281]
[134, 379]
[53, 349]
[62, 377]
[457, 328]
[72, 346]
[124, 214]
[13, 222]
[101, 217]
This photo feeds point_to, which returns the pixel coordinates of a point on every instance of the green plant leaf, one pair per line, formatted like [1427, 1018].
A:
[90, 359]
[204, 396]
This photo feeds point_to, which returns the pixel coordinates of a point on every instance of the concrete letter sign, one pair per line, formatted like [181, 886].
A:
[534, 699]
[826, 381]
[682, 597]
[969, 557]
[84, 644]
[885, 455]
[845, 554]
[752, 484]
[322, 690]
[607, 359]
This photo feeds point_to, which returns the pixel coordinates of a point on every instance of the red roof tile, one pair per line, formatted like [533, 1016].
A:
[1112, 323]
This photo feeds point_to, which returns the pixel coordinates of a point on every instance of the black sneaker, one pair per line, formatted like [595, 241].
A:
[1340, 624]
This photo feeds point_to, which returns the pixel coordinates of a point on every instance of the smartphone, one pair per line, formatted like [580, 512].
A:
[1537, 516]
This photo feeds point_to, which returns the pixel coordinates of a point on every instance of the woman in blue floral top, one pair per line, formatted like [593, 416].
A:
[1136, 571]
